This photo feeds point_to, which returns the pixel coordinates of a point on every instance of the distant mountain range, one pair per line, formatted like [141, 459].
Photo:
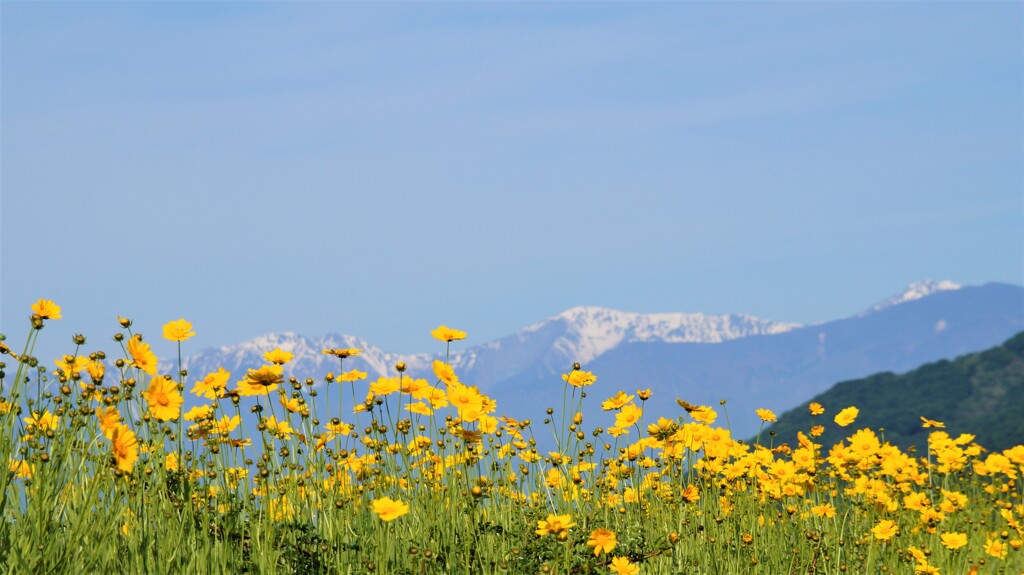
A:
[748, 361]
[978, 393]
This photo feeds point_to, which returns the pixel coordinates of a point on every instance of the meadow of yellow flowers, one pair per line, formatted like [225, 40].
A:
[114, 467]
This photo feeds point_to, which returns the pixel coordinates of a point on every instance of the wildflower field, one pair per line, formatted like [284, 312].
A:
[114, 467]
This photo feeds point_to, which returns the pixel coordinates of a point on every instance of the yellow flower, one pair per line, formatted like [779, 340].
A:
[343, 353]
[824, 510]
[353, 375]
[643, 394]
[281, 429]
[109, 419]
[46, 309]
[385, 386]
[846, 416]
[996, 548]
[419, 408]
[444, 372]
[623, 566]
[388, 509]
[766, 415]
[198, 413]
[142, 356]
[704, 414]
[579, 378]
[45, 421]
[72, 364]
[555, 524]
[294, 405]
[885, 530]
[628, 416]
[171, 462]
[278, 356]
[125, 447]
[20, 468]
[602, 540]
[816, 408]
[925, 422]
[616, 401]
[163, 398]
[96, 369]
[953, 540]
[261, 381]
[817, 430]
[444, 333]
[178, 330]
[210, 386]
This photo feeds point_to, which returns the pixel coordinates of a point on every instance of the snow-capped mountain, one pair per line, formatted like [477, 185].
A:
[748, 361]
[591, 331]
[579, 334]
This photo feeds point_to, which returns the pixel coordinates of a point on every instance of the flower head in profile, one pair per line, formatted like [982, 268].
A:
[388, 509]
[444, 372]
[704, 414]
[353, 375]
[602, 540]
[579, 378]
[925, 422]
[261, 381]
[163, 398]
[623, 566]
[846, 416]
[278, 356]
[109, 419]
[766, 415]
[342, 353]
[178, 330]
[824, 510]
[447, 334]
[125, 446]
[555, 525]
[72, 364]
[616, 401]
[46, 309]
[142, 356]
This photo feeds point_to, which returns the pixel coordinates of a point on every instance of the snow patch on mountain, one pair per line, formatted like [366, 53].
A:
[914, 291]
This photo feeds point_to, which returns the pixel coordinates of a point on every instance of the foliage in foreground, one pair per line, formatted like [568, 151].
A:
[110, 471]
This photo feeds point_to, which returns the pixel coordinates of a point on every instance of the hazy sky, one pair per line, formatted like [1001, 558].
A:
[379, 169]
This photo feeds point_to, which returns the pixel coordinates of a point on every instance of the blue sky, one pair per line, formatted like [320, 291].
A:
[379, 169]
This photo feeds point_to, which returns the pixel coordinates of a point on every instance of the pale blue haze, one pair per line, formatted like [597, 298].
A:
[379, 169]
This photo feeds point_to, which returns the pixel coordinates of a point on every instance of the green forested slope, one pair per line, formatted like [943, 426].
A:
[980, 393]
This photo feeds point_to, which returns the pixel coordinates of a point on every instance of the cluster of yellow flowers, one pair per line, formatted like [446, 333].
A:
[687, 463]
